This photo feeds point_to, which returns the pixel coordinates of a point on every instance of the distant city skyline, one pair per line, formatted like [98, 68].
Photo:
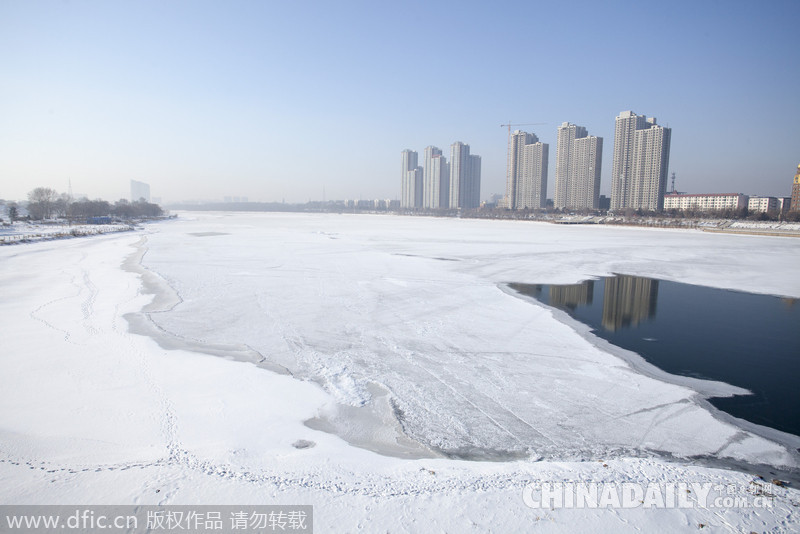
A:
[204, 100]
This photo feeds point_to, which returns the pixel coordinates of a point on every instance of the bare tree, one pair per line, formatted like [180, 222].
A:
[62, 205]
[83, 209]
[42, 202]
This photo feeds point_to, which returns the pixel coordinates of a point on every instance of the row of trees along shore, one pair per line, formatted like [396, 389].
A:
[46, 203]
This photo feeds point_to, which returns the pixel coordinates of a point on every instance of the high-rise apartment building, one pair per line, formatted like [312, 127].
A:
[795, 205]
[416, 176]
[625, 127]
[437, 186]
[533, 190]
[459, 170]
[526, 183]
[408, 162]
[516, 152]
[465, 177]
[578, 164]
[431, 190]
[472, 193]
[584, 189]
[641, 162]
[140, 190]
[567, 133]
[650, 167]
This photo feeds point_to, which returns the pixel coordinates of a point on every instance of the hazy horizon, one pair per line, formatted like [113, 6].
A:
[203, 100]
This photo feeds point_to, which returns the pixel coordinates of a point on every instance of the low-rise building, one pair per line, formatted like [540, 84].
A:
[762, 204]
[705, 202]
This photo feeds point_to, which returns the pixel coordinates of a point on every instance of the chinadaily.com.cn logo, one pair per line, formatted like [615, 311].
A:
[551, 495]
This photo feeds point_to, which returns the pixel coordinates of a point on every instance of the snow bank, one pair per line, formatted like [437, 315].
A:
[24, 232]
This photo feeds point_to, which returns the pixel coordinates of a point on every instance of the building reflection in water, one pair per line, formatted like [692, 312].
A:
[628, 300]
[573, 295]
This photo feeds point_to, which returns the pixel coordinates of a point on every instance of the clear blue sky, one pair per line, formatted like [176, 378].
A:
[274, 100]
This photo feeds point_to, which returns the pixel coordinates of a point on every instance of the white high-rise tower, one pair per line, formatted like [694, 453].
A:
[472, 192]
[641, 162]
[567, 133]
[578, 163]
[650, 167]
[625, 127]
[526, 183]
[437, 191]
[432, 177]
[465, 177]
[140, 190]
[408, 179]
[584, 178]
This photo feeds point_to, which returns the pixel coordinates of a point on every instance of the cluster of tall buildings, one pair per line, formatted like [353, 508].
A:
[437, 184]
[578, 161]
[639, 173]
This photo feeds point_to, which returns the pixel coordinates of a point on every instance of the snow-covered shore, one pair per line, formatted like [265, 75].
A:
[355, 307]
[25, 232]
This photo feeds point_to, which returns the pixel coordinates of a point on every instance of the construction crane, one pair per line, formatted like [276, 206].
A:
[509, 202]
[509, 125]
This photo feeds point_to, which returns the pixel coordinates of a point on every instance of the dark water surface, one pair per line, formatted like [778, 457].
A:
[748, 340]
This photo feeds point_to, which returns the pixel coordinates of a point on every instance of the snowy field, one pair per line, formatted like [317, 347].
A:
[185, 363]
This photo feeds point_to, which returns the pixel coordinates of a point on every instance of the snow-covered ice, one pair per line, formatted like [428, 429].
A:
[417, 308]
[395, 334]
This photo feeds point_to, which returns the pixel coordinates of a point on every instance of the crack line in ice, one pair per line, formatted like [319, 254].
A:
[410, 359]
[513, 414]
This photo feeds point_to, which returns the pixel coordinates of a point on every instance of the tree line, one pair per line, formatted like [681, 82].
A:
[46, 203]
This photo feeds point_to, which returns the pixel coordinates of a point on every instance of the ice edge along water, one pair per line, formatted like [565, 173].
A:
[704, 389]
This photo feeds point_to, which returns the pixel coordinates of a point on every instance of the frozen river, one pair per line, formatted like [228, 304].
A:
[404, 339]
[407, 324]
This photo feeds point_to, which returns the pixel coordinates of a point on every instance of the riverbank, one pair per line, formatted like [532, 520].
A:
[22, 232]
